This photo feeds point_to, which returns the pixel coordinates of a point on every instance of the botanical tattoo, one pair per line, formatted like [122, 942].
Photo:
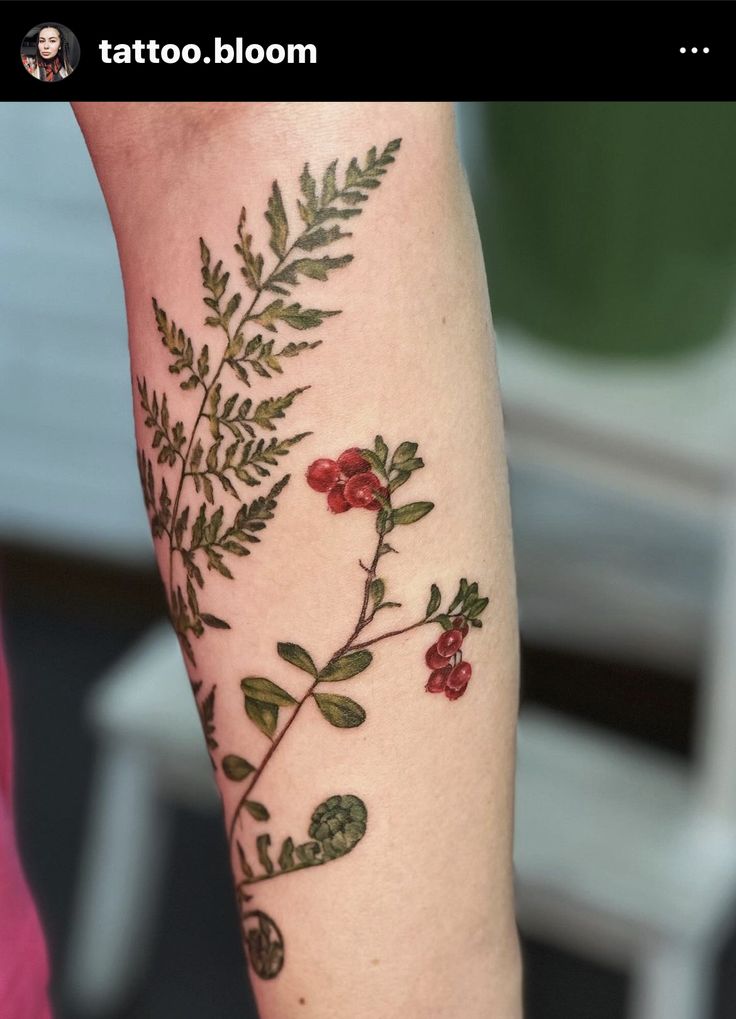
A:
[226, 452]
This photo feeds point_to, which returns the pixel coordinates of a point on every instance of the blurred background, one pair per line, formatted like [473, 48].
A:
[609, 231]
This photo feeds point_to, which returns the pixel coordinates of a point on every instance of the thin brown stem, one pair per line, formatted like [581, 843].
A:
[259, 770]
[391, 633]
[362, 620]
[360, 625]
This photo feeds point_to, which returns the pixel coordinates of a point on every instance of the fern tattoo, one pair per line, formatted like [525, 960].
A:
[237, 453]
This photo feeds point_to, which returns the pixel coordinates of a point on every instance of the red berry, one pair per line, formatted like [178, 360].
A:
[322, 475]
[458, 680]
[336, 500]
[352, 462]
[360, 489]
[449, 642]
[435, 660]
[460, 624]
[437, 680]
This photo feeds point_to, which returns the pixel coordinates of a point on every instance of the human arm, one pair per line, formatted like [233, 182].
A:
[405, 908]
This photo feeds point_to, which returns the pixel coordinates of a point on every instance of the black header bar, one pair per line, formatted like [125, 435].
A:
[263, 50]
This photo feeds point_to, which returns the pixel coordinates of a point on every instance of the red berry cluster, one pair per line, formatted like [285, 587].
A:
[348, 481]
[450, 674]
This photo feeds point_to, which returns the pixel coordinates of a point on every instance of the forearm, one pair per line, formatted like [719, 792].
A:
[395, 900]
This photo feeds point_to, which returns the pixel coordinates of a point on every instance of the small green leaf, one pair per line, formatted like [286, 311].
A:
[378, 589]
[196, 456]
[214, 562]
[346, 667]
[319, 237]
[404, 452]
[252, 345]
[413, 464]
[476, 608]
[229, 404]
[400, 478]
[444, 621]
[262, 844]
[318, 268]
[293, 314]
[381, 449]
[412, 512]
[297, 656]
[309, 854]
[192, 596]
[252, 264]
[353, 197]
[203, 362]
[236, 768]
[244, 865]
[471, 593]
[276, 218]
[232, 306]
[375, 461]
[286, 856]
[384, 523]
[329, 185]
[435, 599]
[257, 810]
[274, 407]
[214, 621]
[340, 711]
[312, 268]
[309, 188]
[292, 349]
[265, 716]
[458, 599]
[261, 689]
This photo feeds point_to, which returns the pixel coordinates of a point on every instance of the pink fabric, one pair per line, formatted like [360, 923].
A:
[24, 968]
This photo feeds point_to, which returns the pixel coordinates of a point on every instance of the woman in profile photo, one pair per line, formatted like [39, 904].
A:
[50, 61]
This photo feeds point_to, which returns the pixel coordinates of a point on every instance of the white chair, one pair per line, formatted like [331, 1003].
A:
[623, 853]
[151, 754]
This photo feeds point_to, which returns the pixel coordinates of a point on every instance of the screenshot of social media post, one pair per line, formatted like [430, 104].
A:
[368, 511]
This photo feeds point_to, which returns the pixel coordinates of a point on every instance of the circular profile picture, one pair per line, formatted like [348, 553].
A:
[50, 51]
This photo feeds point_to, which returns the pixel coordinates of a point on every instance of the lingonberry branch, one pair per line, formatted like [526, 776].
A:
[356, 479]
[391, 633]
[346, 647]
[350, 645]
